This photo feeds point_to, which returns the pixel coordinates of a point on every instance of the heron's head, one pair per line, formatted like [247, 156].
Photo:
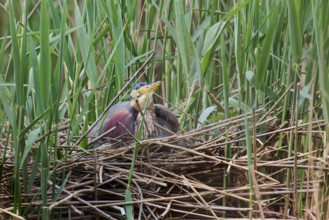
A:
[142, 95]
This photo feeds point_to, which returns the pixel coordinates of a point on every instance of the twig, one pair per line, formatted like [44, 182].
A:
[75, 195]
[130, 134]
[11, 214]
[76, 210]
[71, 195]
[101, 136]
[166, 210]
[215, 100]
[200, 197]
[122, 210]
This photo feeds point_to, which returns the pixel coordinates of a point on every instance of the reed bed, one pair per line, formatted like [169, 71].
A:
[63, 62]
[181, 176]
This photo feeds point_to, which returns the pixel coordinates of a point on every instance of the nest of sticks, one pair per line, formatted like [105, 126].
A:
[186, 176]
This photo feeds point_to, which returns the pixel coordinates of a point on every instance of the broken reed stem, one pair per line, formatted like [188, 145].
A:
[95, 175]
[295, 151]
[254, 139]
[257, 192]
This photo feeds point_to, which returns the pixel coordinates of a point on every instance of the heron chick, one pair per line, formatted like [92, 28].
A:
[124, 119]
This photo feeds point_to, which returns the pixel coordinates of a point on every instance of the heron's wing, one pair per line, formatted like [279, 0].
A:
[119, 119]
[166, 118]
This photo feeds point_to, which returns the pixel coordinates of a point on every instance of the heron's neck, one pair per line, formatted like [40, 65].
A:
[142, 103]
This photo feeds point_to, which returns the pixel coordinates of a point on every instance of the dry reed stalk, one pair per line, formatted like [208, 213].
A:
[187, 182]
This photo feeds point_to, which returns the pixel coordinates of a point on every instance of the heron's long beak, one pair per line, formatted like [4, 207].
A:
[149, 89]
[154, 86]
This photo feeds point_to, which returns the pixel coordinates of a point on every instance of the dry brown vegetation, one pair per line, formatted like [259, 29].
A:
[181, 177]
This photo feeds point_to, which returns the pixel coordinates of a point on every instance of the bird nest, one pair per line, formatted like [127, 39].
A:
[200, 174]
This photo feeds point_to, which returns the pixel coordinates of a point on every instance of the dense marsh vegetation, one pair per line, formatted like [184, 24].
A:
[63, 62]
